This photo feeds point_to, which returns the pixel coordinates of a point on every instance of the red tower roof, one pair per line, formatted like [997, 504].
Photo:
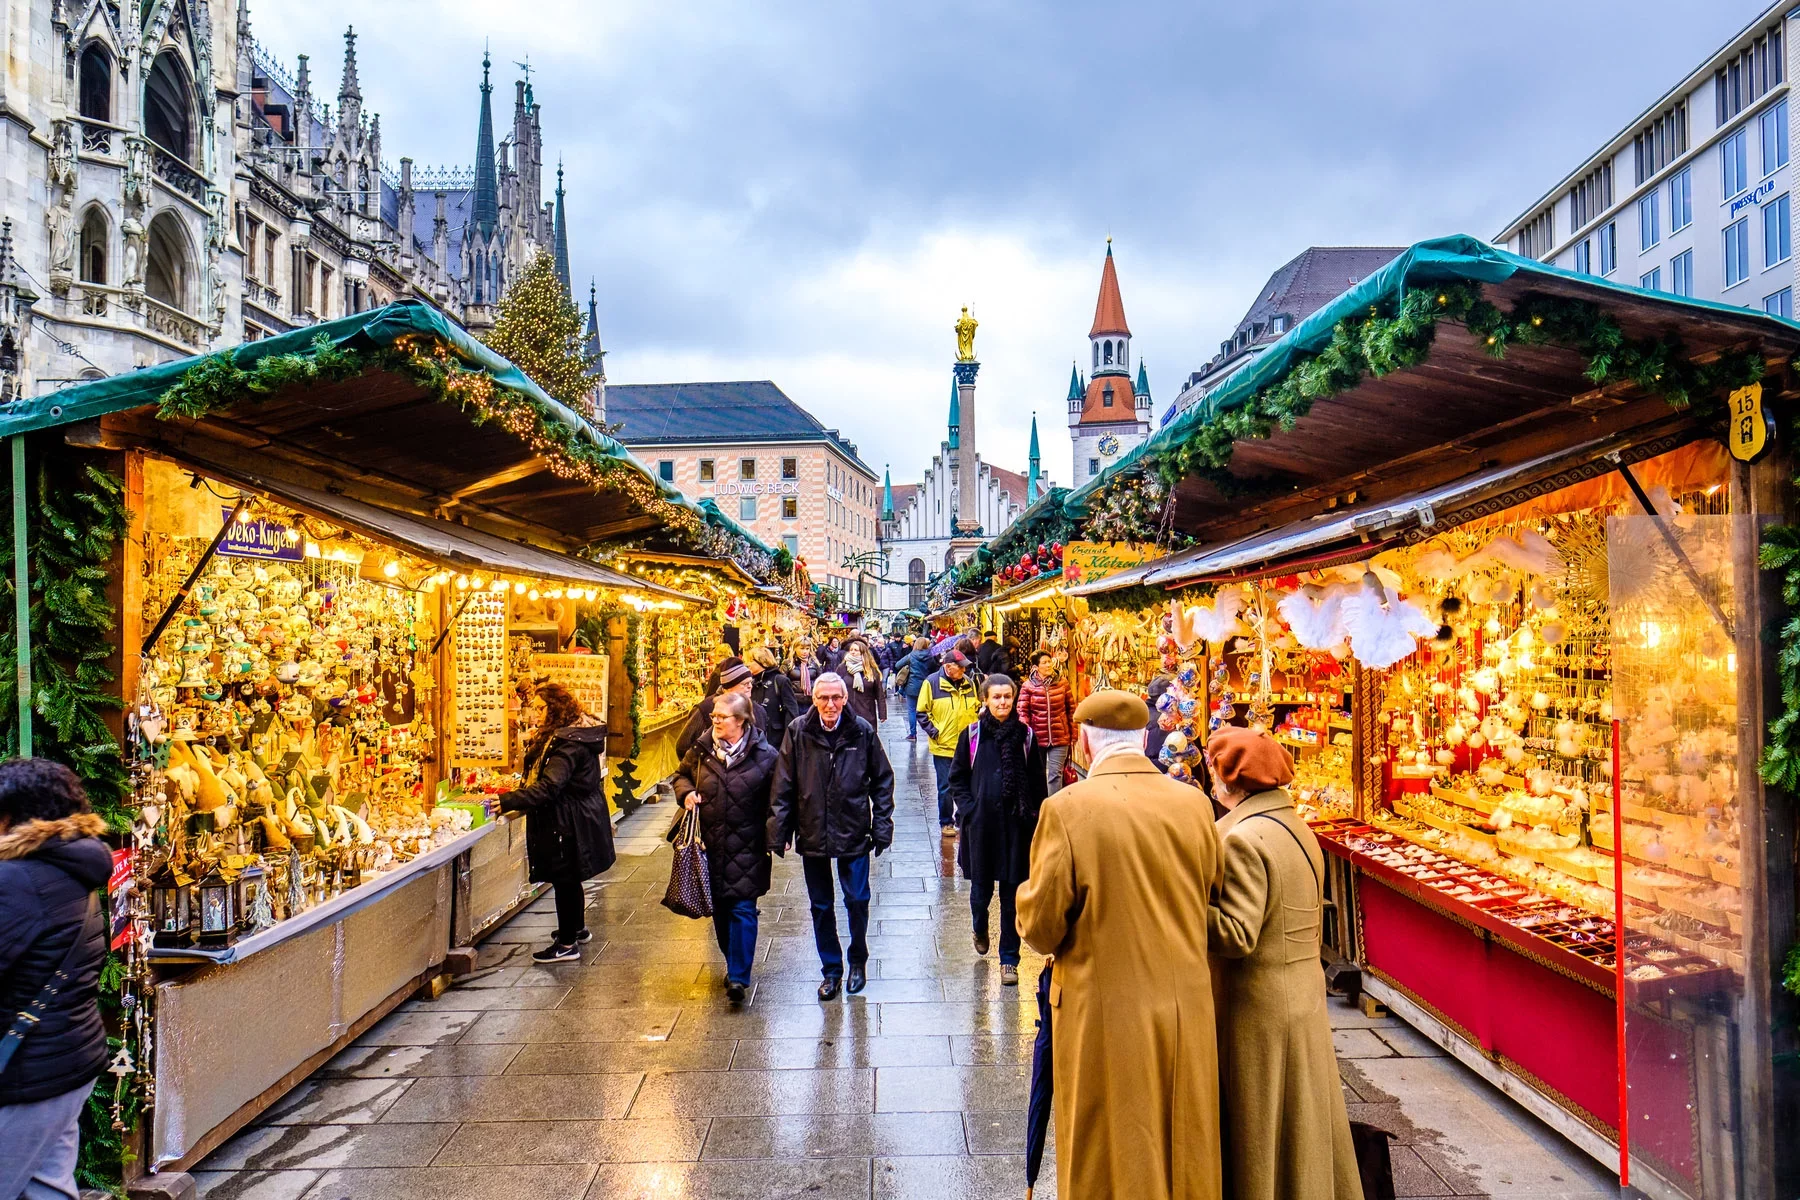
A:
[1109, 313]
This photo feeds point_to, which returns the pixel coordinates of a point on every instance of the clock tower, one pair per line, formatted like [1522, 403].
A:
[1109, 414]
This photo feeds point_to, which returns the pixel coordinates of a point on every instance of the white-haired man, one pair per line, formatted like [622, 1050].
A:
[1122, 866]
[833, 799]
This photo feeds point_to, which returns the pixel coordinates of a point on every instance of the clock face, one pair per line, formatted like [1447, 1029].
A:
[1109, 445]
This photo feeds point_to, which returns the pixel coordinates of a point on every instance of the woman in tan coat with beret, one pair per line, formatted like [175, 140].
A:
[1286, 1131]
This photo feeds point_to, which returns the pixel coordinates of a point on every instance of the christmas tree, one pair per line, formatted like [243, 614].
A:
[539, 329]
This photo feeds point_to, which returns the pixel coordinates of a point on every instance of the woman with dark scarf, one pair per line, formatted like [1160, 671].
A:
[997, 781]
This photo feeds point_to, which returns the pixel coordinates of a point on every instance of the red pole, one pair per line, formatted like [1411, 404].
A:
[1619, 958]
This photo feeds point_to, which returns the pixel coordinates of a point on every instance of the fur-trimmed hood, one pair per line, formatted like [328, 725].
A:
[72, 844]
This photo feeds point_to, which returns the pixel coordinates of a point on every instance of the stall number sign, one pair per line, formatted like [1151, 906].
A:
[1748, 436]
[258, 537]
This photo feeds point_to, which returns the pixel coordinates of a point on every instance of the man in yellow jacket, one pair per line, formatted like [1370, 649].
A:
[947, 705]
[1122, 867]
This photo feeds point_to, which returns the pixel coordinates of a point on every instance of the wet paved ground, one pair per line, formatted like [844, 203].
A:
[629, 1075]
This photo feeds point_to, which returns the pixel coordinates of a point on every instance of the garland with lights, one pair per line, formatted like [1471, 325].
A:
[1127, 509]
[1386, 341]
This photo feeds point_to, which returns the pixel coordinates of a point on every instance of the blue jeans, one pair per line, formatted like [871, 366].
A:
[980, 896]
[946, 813]
[38, 1144]
[912, 716]
[853, 875]
[734, 922]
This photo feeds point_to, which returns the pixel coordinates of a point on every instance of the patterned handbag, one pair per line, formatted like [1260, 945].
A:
[690, 884]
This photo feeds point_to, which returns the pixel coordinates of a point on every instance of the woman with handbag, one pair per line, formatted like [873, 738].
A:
[569, 835]
[52, 941]
[726, 777]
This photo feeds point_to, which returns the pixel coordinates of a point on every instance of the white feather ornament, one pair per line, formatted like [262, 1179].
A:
[1313, 613]
[1208, 622]
[1436, 563]
[1382, 632]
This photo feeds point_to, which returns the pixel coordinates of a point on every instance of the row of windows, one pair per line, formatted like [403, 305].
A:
[1734, 150]
[1746, 78]
[1681, 276]
[1660, 142]
[1591, 197]
[1777, 238]
[790, 469]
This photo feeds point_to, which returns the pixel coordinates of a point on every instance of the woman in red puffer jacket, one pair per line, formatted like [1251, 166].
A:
[1046, 706]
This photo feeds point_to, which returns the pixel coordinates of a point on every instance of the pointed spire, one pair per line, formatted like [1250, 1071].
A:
[1143, 380]
[1075, 389]
[591, 342]
[1109, 311]
[562, 236]
[955, 417]
[349, 88]
[887, 493]
[1033, 481]
[486, 201]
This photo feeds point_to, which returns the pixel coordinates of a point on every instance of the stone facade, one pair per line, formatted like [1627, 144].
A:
[169, 188]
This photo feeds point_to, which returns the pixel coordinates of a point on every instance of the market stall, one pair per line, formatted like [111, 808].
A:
[300, 689]
[1492, 576]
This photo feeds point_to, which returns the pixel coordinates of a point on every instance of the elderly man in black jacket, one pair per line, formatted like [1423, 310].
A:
[51, 860]
[833, 798]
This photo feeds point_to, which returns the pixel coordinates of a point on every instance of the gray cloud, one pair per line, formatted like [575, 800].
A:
[807, 191]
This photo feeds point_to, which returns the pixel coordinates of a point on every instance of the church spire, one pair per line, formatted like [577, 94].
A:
[349, 89]
[1032, 482]
[486, 201]
[955, 417]
[562, 236]
[1076, 391]
[887, 493]
[591, 342]
[1110, 337]
[1143, 381]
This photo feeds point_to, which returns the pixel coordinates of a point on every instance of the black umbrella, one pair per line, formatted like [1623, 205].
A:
[1043, 1082]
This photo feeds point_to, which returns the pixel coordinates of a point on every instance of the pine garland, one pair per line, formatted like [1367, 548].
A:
[76, 518]
[105, 1151]
[1138, 597]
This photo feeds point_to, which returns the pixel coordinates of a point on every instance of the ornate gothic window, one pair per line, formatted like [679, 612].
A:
[96, 82]
[169, 107]
[168, 276]
[93, 247]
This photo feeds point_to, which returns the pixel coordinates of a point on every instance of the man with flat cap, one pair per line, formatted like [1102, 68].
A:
[1122, 867]
[1287, 1133]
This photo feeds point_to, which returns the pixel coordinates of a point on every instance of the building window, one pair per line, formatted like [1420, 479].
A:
[1538, 233]
[1742, 81]
[1609, 247]
[93, 247]
[169, 107]
[790, 508]
[1681, 199]
[1093, 466]
[168, 275]
[1781, 304]
[790, 468]
[665, 470]
[706, 470]
[1734, 163]
[1106, 396]
[1591, 197]
[1681, 274]
[1778, 234]
[746, 508]
[746, 468]
[1651, 280]
[1737, 252]
[1648, 232]
[1774, 136]
[96, 82]
[326, 274]
[1661, 142]
[1584, 256]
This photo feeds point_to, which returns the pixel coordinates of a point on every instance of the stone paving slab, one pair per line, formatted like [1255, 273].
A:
[627, 1074]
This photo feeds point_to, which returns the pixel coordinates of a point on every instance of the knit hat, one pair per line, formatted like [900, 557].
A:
[733, 673]
[1249, 760]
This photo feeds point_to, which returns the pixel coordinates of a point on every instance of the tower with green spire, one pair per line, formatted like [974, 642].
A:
[955, 418]
[1032, 480]
[484, 241]
[562, 235]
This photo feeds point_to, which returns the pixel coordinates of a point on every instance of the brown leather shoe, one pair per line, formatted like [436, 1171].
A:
[981, 943]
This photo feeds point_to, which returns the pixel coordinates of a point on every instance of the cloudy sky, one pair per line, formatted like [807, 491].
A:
[807, 191]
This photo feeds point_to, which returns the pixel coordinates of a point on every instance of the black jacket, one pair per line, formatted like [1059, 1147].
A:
[569, 834]
[996, 843]
[870, 703]
[833, 794]
[734, 813]
[776, 703]
[700, 721]
[990, 659]
[47, 870]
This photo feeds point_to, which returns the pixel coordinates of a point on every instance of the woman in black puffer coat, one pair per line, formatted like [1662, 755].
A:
[51, 860]
[997, 780]
[726, 775]
[569, 834]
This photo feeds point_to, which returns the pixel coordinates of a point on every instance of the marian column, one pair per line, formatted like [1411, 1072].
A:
[968, 505]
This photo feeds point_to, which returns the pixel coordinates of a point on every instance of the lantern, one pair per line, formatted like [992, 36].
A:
[171, 895]
[217, 900]
[256, 910]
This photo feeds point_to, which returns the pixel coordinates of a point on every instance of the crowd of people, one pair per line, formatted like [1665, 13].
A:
[1191, 1052]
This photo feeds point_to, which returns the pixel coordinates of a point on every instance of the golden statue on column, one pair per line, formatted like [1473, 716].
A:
[965, 337]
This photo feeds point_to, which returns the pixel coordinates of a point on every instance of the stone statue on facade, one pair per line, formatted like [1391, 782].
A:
[136, 241]
[62, 245]
[137, 169]
[63, 161]
[965, 337]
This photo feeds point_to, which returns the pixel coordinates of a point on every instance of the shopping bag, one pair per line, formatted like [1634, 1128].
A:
[690, 886]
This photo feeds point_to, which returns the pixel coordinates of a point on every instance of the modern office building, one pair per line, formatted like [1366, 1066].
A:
[1693, 197]
[768, 464]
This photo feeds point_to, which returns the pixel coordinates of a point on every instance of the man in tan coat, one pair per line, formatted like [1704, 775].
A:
[1287, 1133]
[1121, 869]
